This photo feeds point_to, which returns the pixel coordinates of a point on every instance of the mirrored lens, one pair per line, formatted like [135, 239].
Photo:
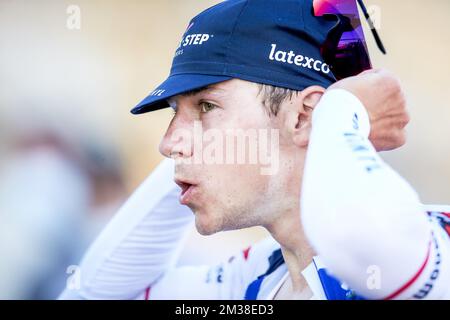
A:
[345, 49]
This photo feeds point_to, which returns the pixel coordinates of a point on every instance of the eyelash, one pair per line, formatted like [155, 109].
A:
[203, 103]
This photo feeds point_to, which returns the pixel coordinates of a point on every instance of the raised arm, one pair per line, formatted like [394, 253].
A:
[361, 216]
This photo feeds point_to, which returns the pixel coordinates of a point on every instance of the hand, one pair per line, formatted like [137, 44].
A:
[381, 94]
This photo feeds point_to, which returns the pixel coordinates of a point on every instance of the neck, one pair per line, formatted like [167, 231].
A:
[297, 252]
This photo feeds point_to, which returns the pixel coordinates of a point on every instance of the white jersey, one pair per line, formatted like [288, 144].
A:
[259, 271]
[374, 238]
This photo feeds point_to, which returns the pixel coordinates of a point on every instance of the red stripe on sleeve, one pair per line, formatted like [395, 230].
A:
[413, 279]
[147, 293]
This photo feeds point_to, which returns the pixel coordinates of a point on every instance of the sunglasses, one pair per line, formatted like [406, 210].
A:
[345, 49]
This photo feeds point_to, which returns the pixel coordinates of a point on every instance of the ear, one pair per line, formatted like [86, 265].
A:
[310, 97]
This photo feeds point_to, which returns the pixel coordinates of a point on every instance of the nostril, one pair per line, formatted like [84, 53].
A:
[175, 154]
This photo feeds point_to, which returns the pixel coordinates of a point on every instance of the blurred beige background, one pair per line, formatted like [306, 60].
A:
[84, 82]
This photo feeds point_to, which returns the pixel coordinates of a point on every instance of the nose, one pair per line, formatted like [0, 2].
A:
[177, 141]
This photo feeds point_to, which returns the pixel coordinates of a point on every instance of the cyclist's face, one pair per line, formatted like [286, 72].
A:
[235, 165]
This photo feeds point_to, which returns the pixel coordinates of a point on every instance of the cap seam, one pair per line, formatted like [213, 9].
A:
[303, 13]
[232, 32]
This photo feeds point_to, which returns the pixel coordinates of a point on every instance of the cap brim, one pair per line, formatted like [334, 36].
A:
[174, 85]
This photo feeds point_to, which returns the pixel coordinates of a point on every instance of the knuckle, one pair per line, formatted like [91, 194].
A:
[402, 99]
[407, 118]
[401, 138]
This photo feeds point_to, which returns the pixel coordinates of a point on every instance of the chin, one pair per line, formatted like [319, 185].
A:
[205, 225]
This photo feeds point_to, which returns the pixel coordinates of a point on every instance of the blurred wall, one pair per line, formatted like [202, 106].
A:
[93, 76]
[86, 81]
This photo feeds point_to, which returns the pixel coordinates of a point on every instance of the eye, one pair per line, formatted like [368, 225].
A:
[206, 106]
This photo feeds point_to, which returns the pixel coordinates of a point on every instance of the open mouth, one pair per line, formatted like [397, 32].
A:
[186, 190]
[184, 187]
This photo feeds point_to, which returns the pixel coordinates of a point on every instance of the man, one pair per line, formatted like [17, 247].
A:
[344, 224]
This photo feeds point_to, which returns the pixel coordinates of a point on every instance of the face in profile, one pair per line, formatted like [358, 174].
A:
[236, 164]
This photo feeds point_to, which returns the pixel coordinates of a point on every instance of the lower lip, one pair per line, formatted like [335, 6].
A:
[186, 197]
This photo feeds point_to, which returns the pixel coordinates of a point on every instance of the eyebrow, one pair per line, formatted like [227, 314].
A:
[200, 90]
[194, 92]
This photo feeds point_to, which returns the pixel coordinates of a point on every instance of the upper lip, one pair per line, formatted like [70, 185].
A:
[184, 184]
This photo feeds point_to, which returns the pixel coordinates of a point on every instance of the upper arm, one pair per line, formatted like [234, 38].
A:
[362, 217]
[427, 275]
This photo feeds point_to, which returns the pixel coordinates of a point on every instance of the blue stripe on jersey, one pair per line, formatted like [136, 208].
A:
[331, 286]
[275, 260]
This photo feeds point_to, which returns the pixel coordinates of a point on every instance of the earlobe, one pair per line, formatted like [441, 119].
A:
[301, 137]
[300, 133]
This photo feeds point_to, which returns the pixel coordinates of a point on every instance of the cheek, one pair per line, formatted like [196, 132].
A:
[236, 185]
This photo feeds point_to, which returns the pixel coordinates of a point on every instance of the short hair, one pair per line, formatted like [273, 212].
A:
[272, 97]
